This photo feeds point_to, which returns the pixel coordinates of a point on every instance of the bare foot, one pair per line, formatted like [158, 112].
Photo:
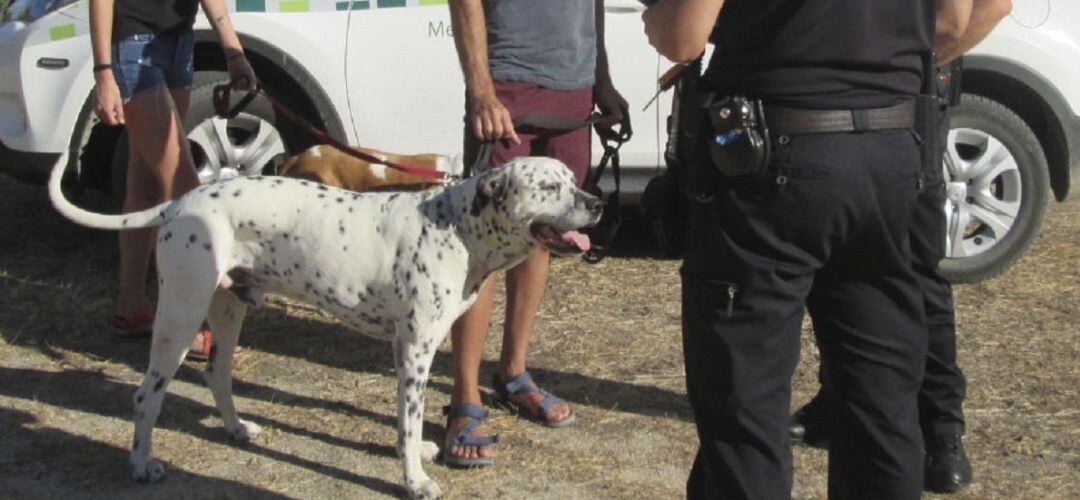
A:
[198, 347]
[530, 402]
[468, 451]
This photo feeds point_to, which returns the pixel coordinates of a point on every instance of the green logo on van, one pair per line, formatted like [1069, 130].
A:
[61, 32]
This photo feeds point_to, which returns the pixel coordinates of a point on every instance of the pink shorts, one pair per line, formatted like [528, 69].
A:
[573, 148]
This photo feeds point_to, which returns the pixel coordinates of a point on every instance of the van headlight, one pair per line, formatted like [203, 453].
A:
[28, 11]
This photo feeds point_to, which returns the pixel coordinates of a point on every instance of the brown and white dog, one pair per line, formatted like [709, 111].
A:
[328, 165]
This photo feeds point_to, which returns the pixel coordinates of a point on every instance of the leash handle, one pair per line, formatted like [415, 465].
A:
[223, 92]
[539, 124]
[221, 96]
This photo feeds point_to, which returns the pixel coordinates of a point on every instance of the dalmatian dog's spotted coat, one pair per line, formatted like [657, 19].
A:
[397, 266]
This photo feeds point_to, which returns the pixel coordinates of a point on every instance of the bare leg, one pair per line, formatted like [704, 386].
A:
[136, 244]
[186, 176]
[468, 335]
[159, 169]
[525, 286]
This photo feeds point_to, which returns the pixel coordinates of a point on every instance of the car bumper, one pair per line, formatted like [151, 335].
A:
[45, 79]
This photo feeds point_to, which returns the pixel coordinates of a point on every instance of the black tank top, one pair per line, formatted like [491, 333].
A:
[153, 17]
[822, 54]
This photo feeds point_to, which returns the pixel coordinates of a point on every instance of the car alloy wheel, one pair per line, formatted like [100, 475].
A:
[983, 192]
[997, 190]
[241, 146]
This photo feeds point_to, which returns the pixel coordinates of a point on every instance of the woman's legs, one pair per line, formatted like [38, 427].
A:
[159, 168]
[135, 244]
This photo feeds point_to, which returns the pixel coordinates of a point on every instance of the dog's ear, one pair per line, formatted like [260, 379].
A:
[490, 188]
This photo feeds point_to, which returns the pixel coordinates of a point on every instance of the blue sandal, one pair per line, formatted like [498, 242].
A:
[523, 384]
[464, 437]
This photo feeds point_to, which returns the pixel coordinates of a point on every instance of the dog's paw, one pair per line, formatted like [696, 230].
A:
[245, 431]
[148, 473]
[428, 450]
[426, 489]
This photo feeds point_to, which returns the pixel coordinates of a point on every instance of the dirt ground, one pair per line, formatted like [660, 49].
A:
[607, 340]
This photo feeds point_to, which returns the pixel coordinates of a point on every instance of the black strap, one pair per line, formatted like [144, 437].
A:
[603, 235]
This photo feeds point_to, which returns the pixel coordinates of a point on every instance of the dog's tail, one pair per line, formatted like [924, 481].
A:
[147, 218]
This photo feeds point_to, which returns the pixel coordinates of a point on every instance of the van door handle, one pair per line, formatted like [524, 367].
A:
[623, 6]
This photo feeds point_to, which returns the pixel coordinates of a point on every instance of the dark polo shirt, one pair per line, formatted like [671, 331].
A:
[822, 54]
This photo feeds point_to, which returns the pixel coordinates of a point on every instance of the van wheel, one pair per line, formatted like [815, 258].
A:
[251, 143]
[997, 188]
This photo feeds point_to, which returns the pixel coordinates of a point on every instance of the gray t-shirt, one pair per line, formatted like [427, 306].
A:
[551, 43]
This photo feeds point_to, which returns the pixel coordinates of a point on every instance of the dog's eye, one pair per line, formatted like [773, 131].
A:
[549, 186]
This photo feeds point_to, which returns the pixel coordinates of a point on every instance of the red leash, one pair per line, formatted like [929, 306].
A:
[223, 92]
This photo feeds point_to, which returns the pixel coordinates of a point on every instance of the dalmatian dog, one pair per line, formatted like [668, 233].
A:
[396, 266]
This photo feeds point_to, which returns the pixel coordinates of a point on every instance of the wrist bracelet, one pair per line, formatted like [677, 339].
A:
[234, 56]
[102, 67]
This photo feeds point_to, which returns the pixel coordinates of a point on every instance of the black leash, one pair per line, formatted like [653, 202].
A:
[604, 232]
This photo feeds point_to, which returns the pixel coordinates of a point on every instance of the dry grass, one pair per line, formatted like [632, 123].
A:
[607, 340]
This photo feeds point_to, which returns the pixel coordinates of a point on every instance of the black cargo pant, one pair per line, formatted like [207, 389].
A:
[941, 396]
[833, 212]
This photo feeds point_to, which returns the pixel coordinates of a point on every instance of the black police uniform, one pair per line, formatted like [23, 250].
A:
[941, 395]
[832, 212]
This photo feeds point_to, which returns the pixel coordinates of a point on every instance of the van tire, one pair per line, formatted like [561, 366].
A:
[258, 137]
[991, 119]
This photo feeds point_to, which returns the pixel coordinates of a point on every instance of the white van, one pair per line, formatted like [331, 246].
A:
[385, 74]
[378, 73]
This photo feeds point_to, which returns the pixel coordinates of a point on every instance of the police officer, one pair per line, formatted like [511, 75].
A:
[961, 24]
[834, 83]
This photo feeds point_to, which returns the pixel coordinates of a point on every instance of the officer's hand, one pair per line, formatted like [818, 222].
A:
[615, 111]
[491, 120]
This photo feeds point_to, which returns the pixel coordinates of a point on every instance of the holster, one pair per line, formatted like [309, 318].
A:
[739, 139]
[927, 123]
[941, 89]
[664, 203]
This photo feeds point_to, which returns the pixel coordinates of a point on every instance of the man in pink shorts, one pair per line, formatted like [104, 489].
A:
[521, 57]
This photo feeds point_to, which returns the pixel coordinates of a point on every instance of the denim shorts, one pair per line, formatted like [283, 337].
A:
[144, 62]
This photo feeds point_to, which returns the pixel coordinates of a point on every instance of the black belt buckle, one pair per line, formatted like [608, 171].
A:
[739, 145]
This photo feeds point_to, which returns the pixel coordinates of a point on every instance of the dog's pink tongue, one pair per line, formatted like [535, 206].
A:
[581, 241]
